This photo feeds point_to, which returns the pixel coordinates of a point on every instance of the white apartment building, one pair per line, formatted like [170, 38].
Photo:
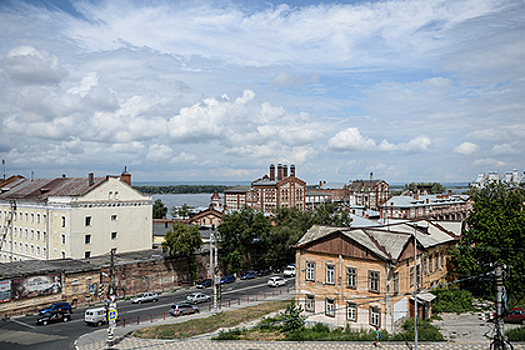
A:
[74, 218]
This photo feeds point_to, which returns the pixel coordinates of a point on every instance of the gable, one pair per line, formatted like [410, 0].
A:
[113, 185]
[339, 244]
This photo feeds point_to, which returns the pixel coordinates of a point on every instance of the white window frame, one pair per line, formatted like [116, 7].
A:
[309, 303]
[310, 271]
[351, 312]
[330, 307]
[330, 274]
[375, 316]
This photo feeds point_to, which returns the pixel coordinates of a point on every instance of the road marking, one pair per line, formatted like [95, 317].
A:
[26, 338]
[22, 323]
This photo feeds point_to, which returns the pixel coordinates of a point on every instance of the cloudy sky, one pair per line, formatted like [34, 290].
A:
[411, 90]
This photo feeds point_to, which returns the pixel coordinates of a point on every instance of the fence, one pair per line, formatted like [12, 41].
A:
[136, 320]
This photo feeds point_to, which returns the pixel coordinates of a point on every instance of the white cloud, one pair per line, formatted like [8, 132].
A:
[159, 153]
[506, 148]
[352, 140]
[466, 148]
[489, 162]
[285, 79]
[30, 65]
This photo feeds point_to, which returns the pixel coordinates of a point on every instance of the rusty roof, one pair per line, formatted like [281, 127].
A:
[42, 189]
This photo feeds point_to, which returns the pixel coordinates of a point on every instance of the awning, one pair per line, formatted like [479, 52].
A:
[424, 297]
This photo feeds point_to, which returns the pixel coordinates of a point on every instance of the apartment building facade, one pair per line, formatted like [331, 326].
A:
[74, 218]
[435, 207]
[365, 277]
[278, 189]
[370, 193]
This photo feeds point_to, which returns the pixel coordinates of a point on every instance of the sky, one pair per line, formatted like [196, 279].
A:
[409, 90]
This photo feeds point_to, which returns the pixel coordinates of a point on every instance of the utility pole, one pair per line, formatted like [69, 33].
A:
[111, 305]
[499, 337]
[415, 289]
[214, 267]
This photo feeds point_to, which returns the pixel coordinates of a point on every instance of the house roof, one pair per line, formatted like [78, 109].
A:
[387, 242]
[421, 200]
[238, 189]
[42, 189]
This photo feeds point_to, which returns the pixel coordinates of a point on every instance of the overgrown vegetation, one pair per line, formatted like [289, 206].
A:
[516, 334]
[452, 300]
[196, 327]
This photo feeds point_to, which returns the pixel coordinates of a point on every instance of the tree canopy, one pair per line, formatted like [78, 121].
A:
[159, 209]
[436, 187]
[183, 240]
[495, 232]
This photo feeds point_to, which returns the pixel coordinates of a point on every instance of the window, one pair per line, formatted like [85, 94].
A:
[37, 218]
[26, 231]
[396, 282]
[32, 234]
[63, 238]
[62, 254]
[330, 307]
[45, 218]
[87, 239]
[27, 216]
[32, 217]
[63, 221]
[44, 252]
[37, 250]
[430, 263]
[330, 274]
[309, 304]
[351, 312]
[375, 317]
[373, 281]
[310, 271]
[87, 254]
[88, 220]
[411, 276]
[25, 248]
[114, 218]
[114, 235]
[38, 235]
[436, 261]
[351, 277]
[32, 250]
[441, 258]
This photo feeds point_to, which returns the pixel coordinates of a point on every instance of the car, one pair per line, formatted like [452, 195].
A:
[264, 272]
[183, 309]
[195, 298]
[56, 307]
[515, 315]
[205, 283]
[53, 316]
[145, 297]
[228, 279]
[249, 275]
[276, 281]
[289, 271]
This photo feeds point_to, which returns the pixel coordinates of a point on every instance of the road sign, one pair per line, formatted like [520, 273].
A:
[112, 315]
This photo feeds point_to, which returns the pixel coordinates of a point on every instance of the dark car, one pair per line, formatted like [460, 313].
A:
[264, 272]
[249, 275]
[204, 283]
[515, 315]
[228, 279]
[56, 307]
[183, 309]
[53, 316]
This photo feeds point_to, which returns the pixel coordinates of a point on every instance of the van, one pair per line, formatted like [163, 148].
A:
[95, 316]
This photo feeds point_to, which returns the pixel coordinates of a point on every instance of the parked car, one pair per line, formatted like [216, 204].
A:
[56, 307]
[515, 315]
[195, 298]
[228, 279]
[145, 297]
[183, 309]
[205, 283]
[276, 281]
[264, 272]
[289, 271]
[249, 275]
[95, 316]
[53, 316]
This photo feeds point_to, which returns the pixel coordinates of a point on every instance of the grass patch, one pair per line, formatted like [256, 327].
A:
[516, 334]
[195, 327]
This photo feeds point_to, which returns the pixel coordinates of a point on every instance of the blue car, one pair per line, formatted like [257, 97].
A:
[228, 279]
[249, 275]
[56, 307]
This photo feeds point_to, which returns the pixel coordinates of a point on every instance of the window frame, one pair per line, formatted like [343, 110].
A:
[374, 281]
[396, 282]
[310, 271]
[309, 303]
[351, 306]
[329, 307]
[87, 239]
[330, 274]
[375, 315]
[351, 279]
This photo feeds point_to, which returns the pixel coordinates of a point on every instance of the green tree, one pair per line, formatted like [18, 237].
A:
[159, 209]
[182, 212]
[240, 238]
[495, 232]
[436, 187]
[184, 240]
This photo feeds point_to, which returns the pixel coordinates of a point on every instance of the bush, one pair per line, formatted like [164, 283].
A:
[425, 331]
[229, 335]
[452, 300]
[516, 334]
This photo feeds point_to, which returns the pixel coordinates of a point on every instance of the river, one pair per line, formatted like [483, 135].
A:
[199, 201]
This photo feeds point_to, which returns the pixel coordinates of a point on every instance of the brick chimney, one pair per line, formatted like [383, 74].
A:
[91, 179]
[371, 176]
[279, 172]
[292, 170]
[125, 176]
[285, 171]
[272, 172]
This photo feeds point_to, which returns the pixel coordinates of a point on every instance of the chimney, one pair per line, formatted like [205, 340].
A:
[91, 179]
[279, 172]
[292, 170]
[125, 176]
[428, 201]
[272, 172]
[285, 171]
[320, 184]
[371, 176]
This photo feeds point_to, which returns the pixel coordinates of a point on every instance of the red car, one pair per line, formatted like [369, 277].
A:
[515, 315]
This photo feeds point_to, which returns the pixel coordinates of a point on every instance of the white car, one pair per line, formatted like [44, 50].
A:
[289, 271]
[195, 298]
[276, 281]
[145, 297]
